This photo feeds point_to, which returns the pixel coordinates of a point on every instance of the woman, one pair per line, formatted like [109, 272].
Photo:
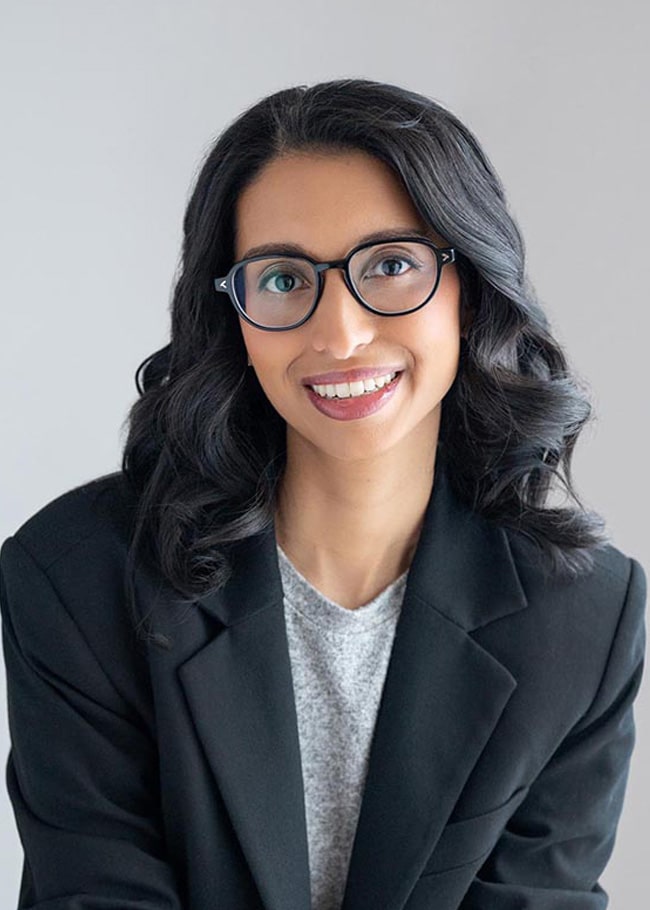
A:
[359, 660]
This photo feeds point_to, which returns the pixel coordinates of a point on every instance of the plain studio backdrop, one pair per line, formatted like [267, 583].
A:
[108, 107]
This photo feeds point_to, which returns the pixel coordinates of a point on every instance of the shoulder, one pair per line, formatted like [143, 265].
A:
[608, 580]
[588, 617]
[62, 581]
[100, 511]
[73, 556]
[69, 559]
[609, 573]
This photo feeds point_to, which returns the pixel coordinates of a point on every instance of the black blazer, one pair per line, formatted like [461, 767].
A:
[153, 776]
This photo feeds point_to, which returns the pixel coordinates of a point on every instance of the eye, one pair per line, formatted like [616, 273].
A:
[391, 265]
[282, 279]
[394, 266]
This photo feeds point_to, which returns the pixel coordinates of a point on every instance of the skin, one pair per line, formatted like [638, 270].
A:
[354, 493]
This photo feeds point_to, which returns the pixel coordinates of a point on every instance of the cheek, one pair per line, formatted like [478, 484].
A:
[436, 332]
[260, 346]
[270, 353]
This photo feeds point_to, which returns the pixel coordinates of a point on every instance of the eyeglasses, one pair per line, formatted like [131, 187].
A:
[389, 277]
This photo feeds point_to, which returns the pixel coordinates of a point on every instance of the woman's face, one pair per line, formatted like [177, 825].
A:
[327, 204]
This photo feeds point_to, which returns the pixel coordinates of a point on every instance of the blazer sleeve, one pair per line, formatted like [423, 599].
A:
[82, 769]
[558, 841]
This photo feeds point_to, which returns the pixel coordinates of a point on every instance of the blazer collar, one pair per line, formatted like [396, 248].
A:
[462, 565]
[442, 699]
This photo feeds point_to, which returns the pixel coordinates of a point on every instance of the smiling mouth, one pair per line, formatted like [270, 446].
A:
[354, 389]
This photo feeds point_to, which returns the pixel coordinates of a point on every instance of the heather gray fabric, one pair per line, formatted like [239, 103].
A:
[339, 659]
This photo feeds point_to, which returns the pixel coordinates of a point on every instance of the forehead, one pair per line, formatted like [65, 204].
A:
[325, 202]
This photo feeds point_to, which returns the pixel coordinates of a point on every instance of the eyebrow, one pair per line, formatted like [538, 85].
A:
[294, 249]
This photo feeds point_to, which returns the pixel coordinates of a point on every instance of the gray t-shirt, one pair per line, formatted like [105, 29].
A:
[339, 658]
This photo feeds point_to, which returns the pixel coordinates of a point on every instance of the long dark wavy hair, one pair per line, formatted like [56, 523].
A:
[205, 448]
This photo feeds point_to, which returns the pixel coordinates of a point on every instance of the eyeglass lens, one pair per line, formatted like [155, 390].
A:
[390, 277]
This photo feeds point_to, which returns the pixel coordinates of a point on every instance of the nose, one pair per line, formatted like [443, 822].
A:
[340, 325]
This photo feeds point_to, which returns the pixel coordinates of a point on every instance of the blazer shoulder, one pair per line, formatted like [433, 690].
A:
[612, 563]
[608, 562]
[101, 506]
[596, 596]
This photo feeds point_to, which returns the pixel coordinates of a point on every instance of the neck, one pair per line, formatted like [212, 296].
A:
[351, 527]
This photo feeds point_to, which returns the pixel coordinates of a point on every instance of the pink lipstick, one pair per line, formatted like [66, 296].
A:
[354, 407]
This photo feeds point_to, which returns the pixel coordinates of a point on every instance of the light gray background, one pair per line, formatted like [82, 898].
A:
[107, 109]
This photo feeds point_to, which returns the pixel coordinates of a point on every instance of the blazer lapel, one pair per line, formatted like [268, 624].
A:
[442, 698]
[240, 693]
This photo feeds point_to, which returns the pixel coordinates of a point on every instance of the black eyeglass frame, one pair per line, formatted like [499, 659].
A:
[225, 285]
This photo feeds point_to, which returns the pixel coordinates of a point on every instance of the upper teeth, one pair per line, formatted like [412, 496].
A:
[353, 389]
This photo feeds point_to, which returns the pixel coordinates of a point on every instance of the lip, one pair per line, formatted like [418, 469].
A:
[355, 407]
[350, 375]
